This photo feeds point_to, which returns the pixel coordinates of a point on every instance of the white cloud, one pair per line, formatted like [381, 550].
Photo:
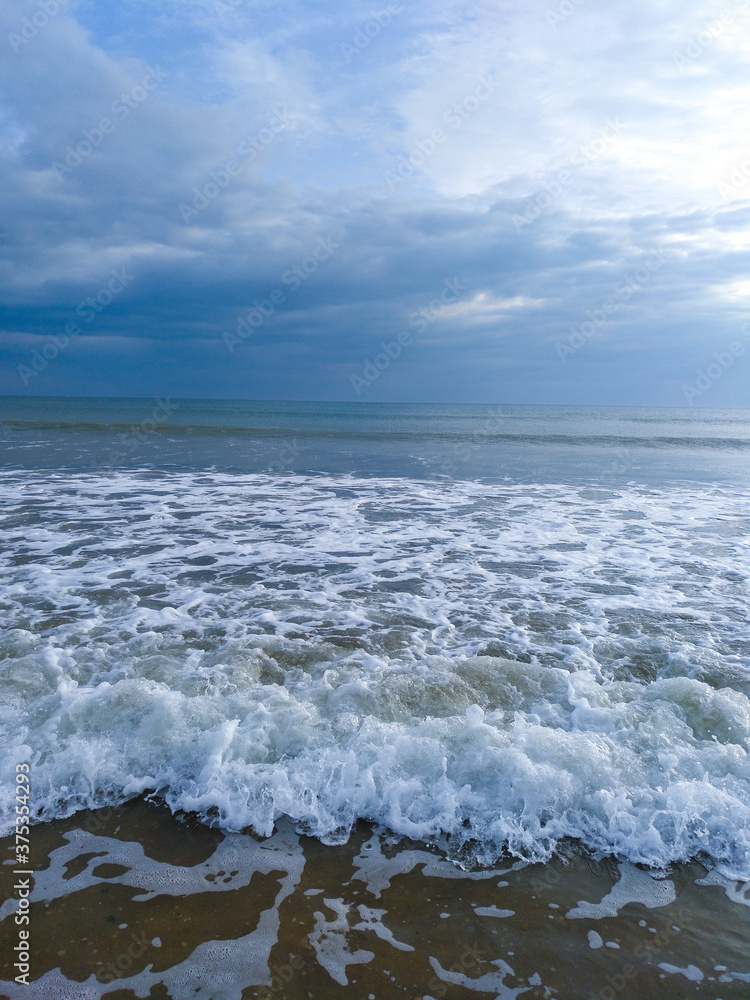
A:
[518, 100]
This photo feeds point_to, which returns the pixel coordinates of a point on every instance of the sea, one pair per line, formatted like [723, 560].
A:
[490, 629]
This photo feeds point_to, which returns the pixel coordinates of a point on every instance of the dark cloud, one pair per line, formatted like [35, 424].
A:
[167, 168]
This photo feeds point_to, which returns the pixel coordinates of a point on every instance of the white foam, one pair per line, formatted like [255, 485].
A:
[691, 972]
[729, 977]
[490, 982]
[738, 892]
[634, 886]
[155, 878]
[492, 911]
[372, 920]
[330, 943]
[219, 970]
[376, 870]
[250, 647]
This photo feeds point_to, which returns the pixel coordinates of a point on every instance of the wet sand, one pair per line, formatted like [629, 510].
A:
[133, 902]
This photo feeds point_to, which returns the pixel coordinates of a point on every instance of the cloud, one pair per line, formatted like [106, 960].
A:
[540, 161]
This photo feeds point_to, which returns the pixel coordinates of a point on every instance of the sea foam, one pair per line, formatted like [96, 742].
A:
[493, 668]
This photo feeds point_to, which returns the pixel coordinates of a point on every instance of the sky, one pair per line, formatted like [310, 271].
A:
[433, 201]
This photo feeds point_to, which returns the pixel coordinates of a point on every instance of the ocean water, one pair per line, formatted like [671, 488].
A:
[491, 628]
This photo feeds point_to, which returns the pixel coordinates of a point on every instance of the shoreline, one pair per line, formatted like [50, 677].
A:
[134, 902]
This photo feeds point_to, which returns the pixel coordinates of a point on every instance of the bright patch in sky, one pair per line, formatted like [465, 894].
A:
[537, 153]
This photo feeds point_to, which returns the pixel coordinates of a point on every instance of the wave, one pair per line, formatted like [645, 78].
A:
[492, 667]
[654, 773]
[478, 436]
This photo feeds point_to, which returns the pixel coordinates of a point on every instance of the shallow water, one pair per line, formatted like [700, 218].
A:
[129, 902]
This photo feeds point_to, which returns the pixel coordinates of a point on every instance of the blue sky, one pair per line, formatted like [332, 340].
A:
[547, 201]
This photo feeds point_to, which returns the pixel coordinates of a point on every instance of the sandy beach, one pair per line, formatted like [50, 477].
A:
[132, 902]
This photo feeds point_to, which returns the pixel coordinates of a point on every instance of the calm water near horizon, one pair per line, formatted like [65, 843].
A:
[517, 442]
